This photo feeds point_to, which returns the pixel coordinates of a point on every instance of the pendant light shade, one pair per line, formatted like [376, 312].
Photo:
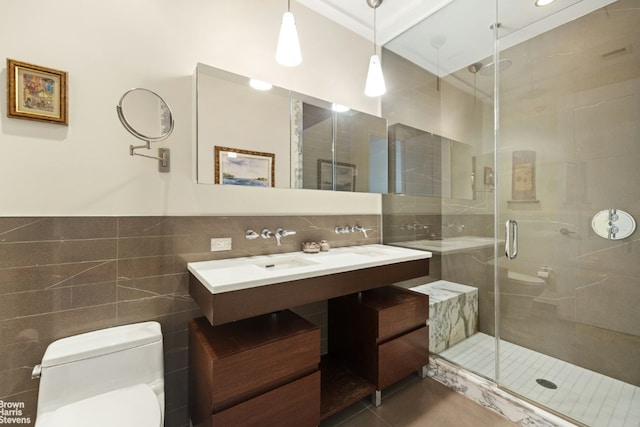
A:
[374, 85]
[288, 51]
[375, 80]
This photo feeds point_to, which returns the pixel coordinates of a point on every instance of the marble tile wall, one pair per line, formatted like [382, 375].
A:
[453, 313]
[64, 276]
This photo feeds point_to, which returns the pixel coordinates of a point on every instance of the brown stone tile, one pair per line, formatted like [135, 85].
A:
[176, 359]
[147, 309]
[179, 322]
[48, 327]
[427, 402]
[20, 353]
[16, 380]
[356, 415]
[56, 252]
[178, 417]
[176, 389]
[20, 279]
[56, 228]
[145, 287]
[46, 301]
[133, 268]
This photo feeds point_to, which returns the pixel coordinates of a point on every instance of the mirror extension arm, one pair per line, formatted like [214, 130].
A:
[139, 102]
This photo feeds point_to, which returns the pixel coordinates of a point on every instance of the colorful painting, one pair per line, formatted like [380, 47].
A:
[242, 167]
[36, 93]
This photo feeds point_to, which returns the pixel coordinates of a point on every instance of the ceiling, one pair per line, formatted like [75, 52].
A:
[392, 17]
[443, 36]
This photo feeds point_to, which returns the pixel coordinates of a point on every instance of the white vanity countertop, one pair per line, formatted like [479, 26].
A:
[449, 244]
[233, 274]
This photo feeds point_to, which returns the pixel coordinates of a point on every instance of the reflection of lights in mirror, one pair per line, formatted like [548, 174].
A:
[339, 108]
[260, 85]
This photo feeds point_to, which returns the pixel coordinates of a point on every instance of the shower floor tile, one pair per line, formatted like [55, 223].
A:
[581, 394]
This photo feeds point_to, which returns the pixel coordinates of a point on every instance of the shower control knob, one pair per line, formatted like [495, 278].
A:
[613, 224]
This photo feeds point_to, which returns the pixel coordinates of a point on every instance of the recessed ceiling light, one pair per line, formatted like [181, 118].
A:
[541, 3]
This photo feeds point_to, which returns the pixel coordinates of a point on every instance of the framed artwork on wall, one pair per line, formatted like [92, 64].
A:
[233, 166]
[36, 93]
[523, 176]
[345, 176]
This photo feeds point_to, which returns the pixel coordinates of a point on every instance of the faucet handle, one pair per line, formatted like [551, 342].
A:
[342, 230]
[362, 229]
[266, 233]
[250, 234]
[284, 233]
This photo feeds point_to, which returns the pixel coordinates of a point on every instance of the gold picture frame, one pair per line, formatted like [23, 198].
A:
[233, 166]
[36, 93]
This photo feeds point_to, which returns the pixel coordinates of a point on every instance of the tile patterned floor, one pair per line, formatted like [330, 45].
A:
[585, 396]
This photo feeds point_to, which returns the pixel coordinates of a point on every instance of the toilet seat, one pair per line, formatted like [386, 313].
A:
[135, 406]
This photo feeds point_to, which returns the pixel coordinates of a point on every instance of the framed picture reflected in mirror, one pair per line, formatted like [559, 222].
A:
[345, 176]
[234, 166]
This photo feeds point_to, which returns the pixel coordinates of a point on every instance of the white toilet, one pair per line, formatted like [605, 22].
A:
[111, 377]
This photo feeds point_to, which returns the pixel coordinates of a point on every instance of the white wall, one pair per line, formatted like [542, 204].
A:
[109, 47]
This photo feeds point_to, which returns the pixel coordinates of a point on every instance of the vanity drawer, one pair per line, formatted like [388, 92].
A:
[383, 313]
[399, 310]
[402, 356]
[296, 404]
[238, 361]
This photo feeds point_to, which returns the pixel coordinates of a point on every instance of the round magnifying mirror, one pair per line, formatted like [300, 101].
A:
[145, 114]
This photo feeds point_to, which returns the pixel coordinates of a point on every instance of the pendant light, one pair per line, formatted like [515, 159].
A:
[375, 80]
[288, 51]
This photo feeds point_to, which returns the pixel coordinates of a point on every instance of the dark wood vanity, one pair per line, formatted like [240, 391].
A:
[252, 362]
[380, 334]
[254, 372]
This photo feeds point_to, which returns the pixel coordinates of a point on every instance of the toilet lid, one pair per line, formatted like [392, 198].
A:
[135, 406]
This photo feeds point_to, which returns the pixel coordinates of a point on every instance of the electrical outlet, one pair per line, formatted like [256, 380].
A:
[221, 244]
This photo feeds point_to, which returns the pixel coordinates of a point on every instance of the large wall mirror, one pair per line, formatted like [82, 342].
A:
[262, 135]
[255, 134]
[430, 165]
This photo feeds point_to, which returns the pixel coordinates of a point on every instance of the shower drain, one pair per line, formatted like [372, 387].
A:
[546, 383]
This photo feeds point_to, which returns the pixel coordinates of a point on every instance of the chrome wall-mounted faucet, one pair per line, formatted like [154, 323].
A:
[362, 229]
[267, 234]
[281, 232]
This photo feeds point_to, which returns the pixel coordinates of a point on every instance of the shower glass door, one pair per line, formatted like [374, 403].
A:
[568, 147]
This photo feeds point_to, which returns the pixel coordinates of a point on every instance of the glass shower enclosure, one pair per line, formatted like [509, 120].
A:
[548, 101]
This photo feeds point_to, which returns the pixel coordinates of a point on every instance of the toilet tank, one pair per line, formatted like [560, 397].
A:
[92, 363]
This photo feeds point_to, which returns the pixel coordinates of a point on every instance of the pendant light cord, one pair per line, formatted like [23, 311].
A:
[374, 30]
[288, 5]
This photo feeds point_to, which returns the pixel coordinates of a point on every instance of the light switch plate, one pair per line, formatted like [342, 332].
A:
[221, 244]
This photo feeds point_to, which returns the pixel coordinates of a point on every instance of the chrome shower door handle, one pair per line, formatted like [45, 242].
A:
[508, 226]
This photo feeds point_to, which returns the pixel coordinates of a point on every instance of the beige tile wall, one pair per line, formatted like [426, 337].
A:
[575, 102]
[64, 276]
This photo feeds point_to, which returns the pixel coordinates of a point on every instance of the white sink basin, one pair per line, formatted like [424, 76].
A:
[449, 245]
[232, 274]
[284, 263]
